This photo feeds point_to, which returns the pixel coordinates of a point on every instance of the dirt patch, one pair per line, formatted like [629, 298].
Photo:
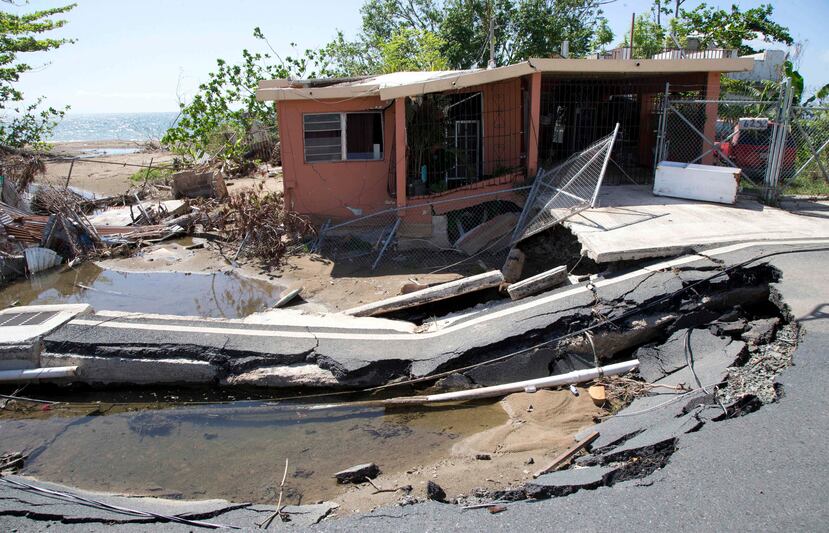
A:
[540, 426]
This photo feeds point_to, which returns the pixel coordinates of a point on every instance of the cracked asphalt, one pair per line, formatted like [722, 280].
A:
[761, 471]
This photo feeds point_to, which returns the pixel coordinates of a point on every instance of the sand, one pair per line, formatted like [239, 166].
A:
[540, 426]
[101, 174]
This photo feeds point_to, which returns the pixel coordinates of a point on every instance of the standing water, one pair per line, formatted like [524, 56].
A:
[236, 452]
[218, 295]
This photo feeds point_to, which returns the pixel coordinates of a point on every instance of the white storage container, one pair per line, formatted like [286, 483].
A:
[697, 182]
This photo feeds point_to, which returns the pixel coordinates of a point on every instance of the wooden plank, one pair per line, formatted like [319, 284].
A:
[432, 294]
[568, 454]
[538, 283]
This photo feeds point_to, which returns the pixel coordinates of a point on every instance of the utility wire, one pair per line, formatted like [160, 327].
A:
[432, 377]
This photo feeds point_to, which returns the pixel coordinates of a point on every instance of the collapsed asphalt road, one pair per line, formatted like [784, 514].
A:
[681, 465]
[291, 349]
[761, 471]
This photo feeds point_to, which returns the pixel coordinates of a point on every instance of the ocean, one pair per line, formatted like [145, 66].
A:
[113, 126]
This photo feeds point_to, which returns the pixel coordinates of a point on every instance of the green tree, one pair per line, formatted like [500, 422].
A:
[523, 29]
[732, 28]
[410, 49]
[21, 124]
[649, 38]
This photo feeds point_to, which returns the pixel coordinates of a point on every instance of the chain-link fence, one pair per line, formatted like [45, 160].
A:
[433, 235]
[567, 189]
[778, 147]
[805, 168]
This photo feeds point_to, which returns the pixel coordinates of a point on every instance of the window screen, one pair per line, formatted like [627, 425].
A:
[323, 137]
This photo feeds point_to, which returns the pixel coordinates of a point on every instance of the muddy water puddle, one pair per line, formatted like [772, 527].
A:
[218, 295]
[237, 451]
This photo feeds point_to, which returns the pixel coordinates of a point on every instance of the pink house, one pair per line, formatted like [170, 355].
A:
[351, 147]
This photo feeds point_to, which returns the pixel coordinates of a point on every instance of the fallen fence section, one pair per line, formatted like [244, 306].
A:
[566, 190]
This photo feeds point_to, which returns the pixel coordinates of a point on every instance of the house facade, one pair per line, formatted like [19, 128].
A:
[352, 147]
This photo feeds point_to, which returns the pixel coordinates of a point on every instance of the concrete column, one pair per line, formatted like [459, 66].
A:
[535, 123]
[400, 149]
[712, 92]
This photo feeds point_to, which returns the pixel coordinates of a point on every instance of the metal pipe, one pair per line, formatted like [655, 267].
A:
[32, 374]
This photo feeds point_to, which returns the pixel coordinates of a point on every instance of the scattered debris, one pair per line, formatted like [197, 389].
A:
[435, 492]
[192, 184]
[358, 474]
[40, 259]
[514, 265]
[597, 394]
[568, 454]
[11, 463]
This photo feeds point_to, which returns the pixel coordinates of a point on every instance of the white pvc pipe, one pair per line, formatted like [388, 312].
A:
[31, 374]
[531, 385]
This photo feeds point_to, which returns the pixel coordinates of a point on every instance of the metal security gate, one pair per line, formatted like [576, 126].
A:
[771, 141]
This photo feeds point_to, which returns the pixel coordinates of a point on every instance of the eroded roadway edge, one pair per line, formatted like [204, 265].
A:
[368, 355]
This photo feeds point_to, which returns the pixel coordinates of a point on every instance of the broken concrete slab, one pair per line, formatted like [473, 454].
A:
[664, 432]
[15, 499]
[709, 368]
[564, 482]
[761, 331]
[114, 370]
[358, 473]
[298, 375]
[538, 283]
[431, 294]
[657, 361]
[633, 224]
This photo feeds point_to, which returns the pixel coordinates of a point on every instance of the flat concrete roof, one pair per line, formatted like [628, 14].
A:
[400, 84]
[631, 223]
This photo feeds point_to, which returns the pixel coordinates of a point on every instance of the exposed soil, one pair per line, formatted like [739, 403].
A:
[540, 426]
[324, 288]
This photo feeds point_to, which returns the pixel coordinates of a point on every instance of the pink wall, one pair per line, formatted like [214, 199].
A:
[325, 190]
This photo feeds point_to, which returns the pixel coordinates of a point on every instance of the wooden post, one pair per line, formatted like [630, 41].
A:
[535, 123]
[69, 175]
[400, 149]
[712, 94]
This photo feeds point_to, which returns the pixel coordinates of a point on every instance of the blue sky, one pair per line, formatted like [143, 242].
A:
[143, 55]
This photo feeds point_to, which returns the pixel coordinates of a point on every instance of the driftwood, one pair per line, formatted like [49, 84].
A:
[432, 294]
[538, 283]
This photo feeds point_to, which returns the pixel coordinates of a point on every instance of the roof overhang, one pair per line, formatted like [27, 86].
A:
[402, 84]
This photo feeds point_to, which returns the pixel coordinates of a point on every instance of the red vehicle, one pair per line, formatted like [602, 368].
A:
[749, 150]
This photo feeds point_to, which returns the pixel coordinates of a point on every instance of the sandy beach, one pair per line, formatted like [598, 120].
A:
[96, 168]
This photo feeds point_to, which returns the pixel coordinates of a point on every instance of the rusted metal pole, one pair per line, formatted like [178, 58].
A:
[632, 26]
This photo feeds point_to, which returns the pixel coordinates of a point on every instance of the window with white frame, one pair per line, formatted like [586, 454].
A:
[343, 136]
